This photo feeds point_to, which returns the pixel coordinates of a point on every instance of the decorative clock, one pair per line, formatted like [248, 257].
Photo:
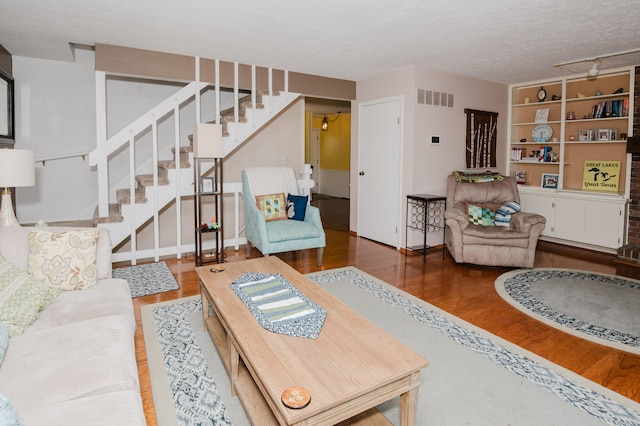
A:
[541, 133]
[542, 94]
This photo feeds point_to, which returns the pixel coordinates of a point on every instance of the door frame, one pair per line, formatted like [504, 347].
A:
[315, 156]
[399, 202]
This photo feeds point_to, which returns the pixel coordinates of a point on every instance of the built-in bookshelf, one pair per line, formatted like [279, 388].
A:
[554, 144]
[580, 119]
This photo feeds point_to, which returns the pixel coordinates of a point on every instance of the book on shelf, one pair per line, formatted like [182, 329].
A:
[610, 109]
[545, 154]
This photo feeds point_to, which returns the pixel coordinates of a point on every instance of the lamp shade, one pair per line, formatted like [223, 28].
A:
[207, 140]
[17, 168]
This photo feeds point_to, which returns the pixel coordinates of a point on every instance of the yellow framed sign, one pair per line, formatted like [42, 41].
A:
[601, 175]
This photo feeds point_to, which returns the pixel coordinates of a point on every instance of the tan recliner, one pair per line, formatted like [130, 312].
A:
[490, 245]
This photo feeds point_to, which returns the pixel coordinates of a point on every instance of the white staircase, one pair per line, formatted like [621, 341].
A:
[170, 179]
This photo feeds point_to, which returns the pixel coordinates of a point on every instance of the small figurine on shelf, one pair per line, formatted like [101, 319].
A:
[210, 226]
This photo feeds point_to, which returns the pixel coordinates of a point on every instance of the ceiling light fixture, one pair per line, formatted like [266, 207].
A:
[596, 61]
[326, 121]
[594, 70]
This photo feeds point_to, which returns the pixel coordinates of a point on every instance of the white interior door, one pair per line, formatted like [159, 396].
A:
[379, 149]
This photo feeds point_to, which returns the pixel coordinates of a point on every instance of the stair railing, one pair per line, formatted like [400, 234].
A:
[105, 147]
[305, 183]
[149, 120]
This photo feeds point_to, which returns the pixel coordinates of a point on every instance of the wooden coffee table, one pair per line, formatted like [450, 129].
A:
[349, 369]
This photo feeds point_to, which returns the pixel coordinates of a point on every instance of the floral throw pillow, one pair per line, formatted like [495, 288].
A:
[273, 206]
[64, 260]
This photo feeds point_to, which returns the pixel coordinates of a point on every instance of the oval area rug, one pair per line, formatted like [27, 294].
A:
[598, 307]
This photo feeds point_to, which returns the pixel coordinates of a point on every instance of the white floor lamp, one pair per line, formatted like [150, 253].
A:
[17, 168]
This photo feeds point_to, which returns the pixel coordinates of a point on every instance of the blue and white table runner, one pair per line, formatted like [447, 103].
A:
[278, 306]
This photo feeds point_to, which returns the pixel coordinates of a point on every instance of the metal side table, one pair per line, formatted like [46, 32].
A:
[425, 213]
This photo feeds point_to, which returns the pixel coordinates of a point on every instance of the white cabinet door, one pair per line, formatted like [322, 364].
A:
[541, 204]
[569, 221]
[603, 223]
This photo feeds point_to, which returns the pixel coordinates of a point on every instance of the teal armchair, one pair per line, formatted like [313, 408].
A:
[279, 235]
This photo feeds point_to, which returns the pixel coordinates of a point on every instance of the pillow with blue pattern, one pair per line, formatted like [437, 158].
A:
[482, 216]
[503, 214]
[297, 206]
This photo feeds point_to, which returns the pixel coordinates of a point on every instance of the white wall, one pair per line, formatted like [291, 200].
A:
[425, 166]
[55, 115]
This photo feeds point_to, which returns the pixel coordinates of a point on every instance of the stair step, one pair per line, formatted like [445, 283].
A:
[114, 215]
[185, 150]
[147, 179]
[171, 164]
[123, 196]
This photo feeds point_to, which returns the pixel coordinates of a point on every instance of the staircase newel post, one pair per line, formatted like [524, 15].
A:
[178, 160]
[101, 140]
[156, 207]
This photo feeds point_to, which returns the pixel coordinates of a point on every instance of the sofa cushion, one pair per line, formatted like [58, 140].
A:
[108, 297]
[21, 298]
[108, 409]
[492, 235]
[65, 260]
[297, 206]
[291, 230]
[68, 362]
[273, 206]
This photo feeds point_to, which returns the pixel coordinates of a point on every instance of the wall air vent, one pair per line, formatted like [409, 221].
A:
[430, 97]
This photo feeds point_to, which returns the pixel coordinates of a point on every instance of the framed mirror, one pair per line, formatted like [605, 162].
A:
[6, 108]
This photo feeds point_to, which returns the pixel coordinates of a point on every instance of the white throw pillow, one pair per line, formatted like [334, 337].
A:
[64, 260]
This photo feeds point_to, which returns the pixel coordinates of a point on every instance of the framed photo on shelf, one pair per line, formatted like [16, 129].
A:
[550, 180]
[207, 186]
[604, 134]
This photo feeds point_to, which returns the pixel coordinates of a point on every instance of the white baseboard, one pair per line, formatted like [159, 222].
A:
[335, 183]
[172, 251]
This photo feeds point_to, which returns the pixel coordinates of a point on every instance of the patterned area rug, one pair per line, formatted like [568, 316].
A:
[150, 278]
[598, 307]
[474, 377]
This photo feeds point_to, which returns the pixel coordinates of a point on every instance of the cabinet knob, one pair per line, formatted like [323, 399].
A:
[361, 173]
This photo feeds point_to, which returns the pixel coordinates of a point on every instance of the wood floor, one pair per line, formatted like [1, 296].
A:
[463, 290]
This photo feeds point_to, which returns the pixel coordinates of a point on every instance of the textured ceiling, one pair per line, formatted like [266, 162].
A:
[506, 41]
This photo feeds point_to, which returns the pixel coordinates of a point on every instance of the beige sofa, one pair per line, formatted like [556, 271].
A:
[490, 245]
[76, 364]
